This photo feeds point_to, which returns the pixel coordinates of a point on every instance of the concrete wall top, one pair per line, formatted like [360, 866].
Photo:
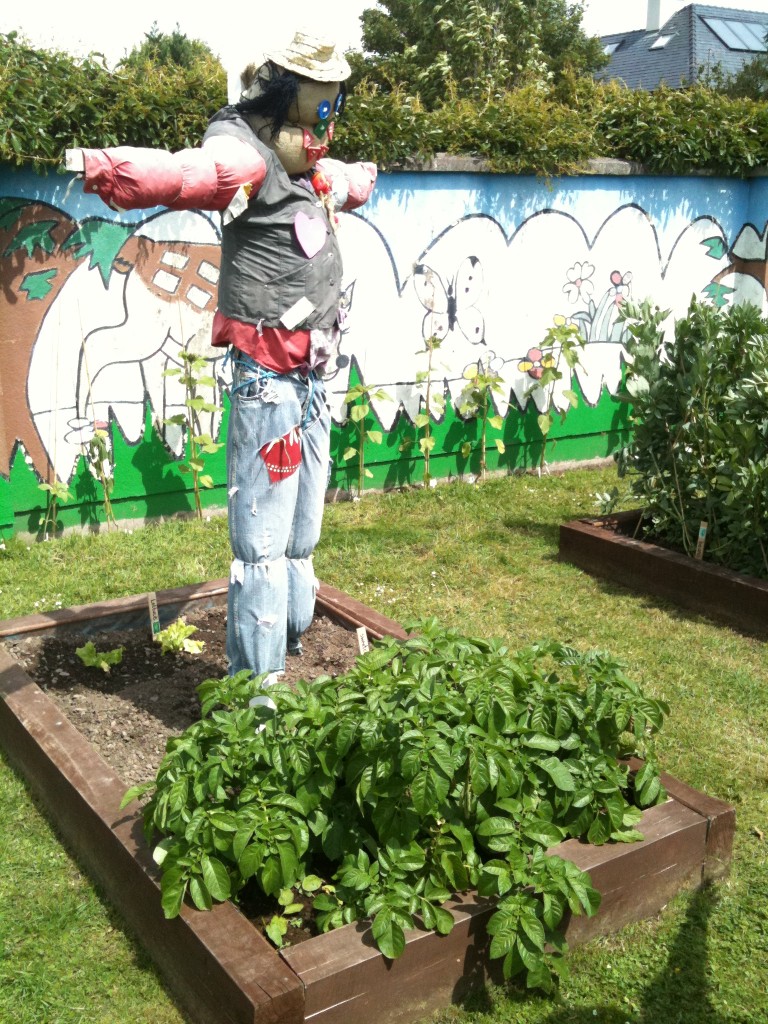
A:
[463, 164]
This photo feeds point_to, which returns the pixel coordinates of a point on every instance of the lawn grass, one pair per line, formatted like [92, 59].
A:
[483, 559]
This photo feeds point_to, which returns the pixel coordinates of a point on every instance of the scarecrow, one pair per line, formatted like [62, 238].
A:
[262, 164]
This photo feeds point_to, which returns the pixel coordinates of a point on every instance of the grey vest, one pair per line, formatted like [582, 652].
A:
[264, 270]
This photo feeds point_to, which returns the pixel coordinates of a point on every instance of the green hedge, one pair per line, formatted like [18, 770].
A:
[50, 101]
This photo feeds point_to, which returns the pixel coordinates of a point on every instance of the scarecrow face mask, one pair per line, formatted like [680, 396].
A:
[307, 133]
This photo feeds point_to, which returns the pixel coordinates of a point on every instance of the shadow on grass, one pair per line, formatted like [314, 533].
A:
[651, 602]
[678, 992]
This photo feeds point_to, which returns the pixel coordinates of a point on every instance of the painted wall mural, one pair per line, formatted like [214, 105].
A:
[96, 306]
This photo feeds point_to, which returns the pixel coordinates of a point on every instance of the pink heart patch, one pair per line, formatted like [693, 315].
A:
[311, 233]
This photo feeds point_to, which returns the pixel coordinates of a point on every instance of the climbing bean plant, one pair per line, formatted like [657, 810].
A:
[438, 764]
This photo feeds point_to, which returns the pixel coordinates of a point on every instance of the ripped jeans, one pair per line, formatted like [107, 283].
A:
[277, 472]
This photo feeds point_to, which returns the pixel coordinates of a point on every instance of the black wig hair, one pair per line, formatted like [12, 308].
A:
[279, 93]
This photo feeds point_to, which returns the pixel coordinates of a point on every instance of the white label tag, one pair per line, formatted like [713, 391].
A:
[703, 527]
[237, 206]
[362, 640]
[74, 160]
[298, 312]
[154, 618]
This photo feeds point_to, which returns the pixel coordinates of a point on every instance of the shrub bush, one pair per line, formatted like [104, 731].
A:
[52, 101]
[699, 450]
[438, 764]
[675, 131]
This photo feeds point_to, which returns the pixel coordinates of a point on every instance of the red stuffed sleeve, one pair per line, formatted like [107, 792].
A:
[130, 178]
[352, 184]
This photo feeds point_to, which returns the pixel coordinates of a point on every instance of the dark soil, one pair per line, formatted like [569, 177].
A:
[129, 714]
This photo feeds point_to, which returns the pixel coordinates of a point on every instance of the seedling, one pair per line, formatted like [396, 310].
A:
[96, 448]
[358, 400]
[476, 402]
[278, 926]
[99, 659]
[434, 407]
[55, 493]
[200, 444]
[97, 456]
[564, 338]
[175, 638]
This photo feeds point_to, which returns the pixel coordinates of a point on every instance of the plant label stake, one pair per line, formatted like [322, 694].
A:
[703, 526]
[362, 640]
[154, 618]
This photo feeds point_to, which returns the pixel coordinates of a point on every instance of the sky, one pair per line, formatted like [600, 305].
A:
[239, 38]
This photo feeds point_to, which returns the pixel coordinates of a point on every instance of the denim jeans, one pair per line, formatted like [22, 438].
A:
[274, 524]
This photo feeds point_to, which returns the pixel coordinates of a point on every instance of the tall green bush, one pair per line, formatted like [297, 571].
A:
[699, 451]
[536, 130]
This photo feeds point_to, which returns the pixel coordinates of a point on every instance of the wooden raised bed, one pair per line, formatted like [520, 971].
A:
[220, 968]
[606, 546]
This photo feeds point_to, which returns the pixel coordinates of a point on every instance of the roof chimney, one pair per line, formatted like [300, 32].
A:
[658, 14]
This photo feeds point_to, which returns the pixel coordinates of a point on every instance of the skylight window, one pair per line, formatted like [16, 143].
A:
[610, 48]
[739, 35]
[660, 43]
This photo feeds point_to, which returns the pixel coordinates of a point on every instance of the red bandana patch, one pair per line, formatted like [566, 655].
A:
[283, 456]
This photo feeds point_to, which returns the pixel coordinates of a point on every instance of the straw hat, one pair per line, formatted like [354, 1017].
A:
[311, 57]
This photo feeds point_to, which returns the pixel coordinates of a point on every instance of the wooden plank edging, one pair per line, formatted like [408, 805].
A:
[733, 598]
[174, 602]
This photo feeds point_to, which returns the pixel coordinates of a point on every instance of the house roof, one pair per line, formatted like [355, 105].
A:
[698, 36]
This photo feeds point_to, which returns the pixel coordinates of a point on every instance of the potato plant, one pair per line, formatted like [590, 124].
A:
[438, 764]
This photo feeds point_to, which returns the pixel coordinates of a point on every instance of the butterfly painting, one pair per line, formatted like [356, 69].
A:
[453, 306]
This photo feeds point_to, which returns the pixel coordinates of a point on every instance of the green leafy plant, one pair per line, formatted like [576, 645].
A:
[160, 49]
[476, 402]
[562, 342]
[607, 502]
[55, 493]
[99, 659]
[699, 451]
[438, 764]
[200, 444]
[358, 399]
[472, 48]
[175, 638]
